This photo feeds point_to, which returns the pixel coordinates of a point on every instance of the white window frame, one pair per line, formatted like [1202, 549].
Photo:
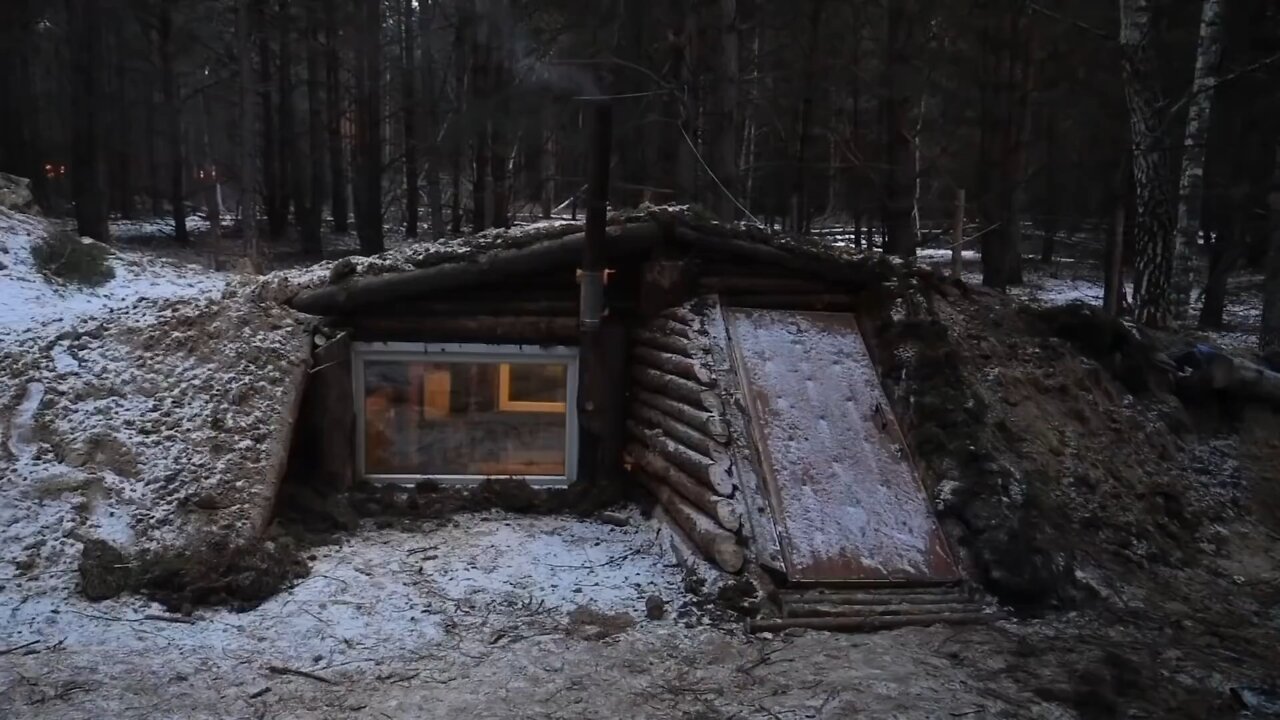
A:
[461, 353]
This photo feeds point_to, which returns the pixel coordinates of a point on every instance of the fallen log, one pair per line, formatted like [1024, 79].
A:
[713, 473]
[677, 388]
[678, 365]
[670, 343]
[711, 424]
[546, 255]
[688, 436]
[655, 469]
[714, 542]
[1245, 378]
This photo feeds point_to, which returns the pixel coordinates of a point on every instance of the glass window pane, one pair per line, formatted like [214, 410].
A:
[465, 418]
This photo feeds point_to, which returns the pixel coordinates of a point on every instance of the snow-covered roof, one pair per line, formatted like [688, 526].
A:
[824, 256]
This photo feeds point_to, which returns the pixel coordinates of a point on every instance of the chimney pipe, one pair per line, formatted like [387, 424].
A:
[591, 278]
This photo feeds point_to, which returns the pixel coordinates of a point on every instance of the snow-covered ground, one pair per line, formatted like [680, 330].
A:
[31, 302]
[480, 617]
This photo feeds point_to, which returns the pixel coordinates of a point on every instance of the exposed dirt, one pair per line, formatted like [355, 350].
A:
[240, 577]
[1071, 478]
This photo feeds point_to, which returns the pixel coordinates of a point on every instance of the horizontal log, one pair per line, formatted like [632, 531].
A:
[761, 285]
[678, 365]
[713, 425]
[845, 273]
[546, 255]
[877, 595]
[530, 330]
[815, 610]
[496, 308]
[677, 388]
[714, 542]
[829, 301]
[867, 624]
[663, 326]
[710, 472]
[680, 316]
[670, 343]
[722, 510]
[686, 435]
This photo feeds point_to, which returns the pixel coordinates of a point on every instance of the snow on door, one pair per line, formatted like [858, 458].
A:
[845, 497]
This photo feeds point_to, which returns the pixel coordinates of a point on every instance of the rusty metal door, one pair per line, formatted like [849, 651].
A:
[846, 499]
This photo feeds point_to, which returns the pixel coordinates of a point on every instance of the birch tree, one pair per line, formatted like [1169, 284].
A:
[1152, 169]
[1191, 187]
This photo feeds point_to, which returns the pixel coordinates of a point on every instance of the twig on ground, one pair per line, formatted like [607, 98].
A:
[966, 713]
[260, 692]
[16, 648]
[606, 563]
[282, 670]
[170, 618]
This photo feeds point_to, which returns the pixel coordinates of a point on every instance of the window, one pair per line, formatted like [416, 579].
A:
[460, 413]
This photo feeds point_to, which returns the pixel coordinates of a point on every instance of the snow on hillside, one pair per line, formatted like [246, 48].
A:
[29, 301]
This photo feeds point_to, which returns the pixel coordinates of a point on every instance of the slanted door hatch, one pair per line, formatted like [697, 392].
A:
[845, 497]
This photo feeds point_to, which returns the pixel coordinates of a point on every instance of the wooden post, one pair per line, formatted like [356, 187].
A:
[957, 237]
[1115, 259]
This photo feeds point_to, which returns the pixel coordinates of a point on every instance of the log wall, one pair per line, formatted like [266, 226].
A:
[677, 440]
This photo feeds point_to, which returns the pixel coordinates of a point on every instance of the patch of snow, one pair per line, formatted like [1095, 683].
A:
[22, 427]
[382, 597]
[160, 227]
[31, 302]
[551, 562]
[936, 254]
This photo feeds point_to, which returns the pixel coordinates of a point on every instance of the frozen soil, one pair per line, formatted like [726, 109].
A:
[485, 616]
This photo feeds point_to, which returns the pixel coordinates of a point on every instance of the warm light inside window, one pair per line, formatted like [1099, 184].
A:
[466, 418]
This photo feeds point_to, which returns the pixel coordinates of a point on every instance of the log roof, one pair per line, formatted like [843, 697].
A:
[456, 263]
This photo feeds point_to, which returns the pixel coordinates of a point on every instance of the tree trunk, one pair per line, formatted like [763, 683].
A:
[409, 108]
[430, 131]
[685, 137]
[1227, 251]
[480, 56]
[368, 141]
[248, 166]
[311, 219]
[88, 167]
[1191, 187]
[1269, 337]
[799, 189]
[209, 175]
[723, 151]
[287, 192]
[547, 158]
[335, 108]
[1152, 169]
[902, 232]
[461, 32]
[270, 141]
[173, 115]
